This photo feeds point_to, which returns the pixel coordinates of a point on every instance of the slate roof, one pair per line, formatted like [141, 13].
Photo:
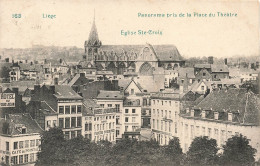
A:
[245, 104]
[219, 68]
[21, 119]
[116, 95]
[189, 72]
[65, 92]
[166, 96]
[206, 66]
[163, 52]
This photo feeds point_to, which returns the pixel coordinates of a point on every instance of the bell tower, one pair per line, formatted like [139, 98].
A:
[92, 44]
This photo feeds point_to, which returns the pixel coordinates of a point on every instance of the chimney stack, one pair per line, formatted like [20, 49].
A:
[225, 61]
[210, 60]
[52, 89]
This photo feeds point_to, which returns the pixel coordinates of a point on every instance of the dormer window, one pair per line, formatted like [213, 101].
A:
[230, 117]
[24, 130]
[203, 114]
[216, 115]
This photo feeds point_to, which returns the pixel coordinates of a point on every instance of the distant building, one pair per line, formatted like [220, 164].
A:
[20, 139]
[98, 123]
[220, 115]
[120, 58]
[165, 116]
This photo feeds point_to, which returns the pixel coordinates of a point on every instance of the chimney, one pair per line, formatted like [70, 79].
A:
[203, 114]
[210, 60]
[216, 115]
[225, 61]
[84, 57]
[52, 89]
[7, 60]
[230, 116]
[60, 60]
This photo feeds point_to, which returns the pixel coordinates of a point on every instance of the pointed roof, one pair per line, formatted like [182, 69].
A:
[93, 35]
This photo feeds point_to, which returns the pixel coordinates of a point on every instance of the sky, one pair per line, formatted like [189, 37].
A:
[193, 36]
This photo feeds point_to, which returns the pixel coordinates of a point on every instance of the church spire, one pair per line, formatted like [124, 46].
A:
[93, 35]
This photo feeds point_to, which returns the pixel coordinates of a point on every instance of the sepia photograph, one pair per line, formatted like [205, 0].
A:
[129, 83]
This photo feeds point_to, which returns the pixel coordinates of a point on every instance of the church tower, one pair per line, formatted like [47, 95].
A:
[92, 44]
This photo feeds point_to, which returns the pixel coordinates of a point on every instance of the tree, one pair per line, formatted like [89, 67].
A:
[237, 151]
[202, 151]
[51, 143]
[174, 150]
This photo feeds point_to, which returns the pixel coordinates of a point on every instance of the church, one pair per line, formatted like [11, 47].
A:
[120, 59]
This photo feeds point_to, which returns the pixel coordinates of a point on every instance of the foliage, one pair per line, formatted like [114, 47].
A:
[237, 151]
[202, 151]
[174, 150]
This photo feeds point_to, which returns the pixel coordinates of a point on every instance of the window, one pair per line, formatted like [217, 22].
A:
[67, 122]
[79, 109]
[102, 105]
[7, 146]
[26, 144]
[38, 142]
[48, 123]
[126, 111]
[216, 134]
[20, 144]
[32, 157]
[20, 159]
[166, 113]
[157, 124]
[78, 121]
[162, 125]
[202, 87]
[73, 122]
[109, 105]
[61, 122]
[73, 134]
[176, 128]
[32, 143]
[54, 123]
[61, 109]
[197, 131]
[117, 133]
[203, 131]
[162, 112]
[78, 133]
[132, 91]
[153, 123]
[15, 145]
[133, 119]
[67, 134]
[67, 109]
[170, 114]
[126, 119]
[117, 107]
[170, 129]
[162, 102]
[26, 156]
[209, 132]
[126, 128]
[204, 74]
[133, 111]
[73, 109]
[14, 160]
